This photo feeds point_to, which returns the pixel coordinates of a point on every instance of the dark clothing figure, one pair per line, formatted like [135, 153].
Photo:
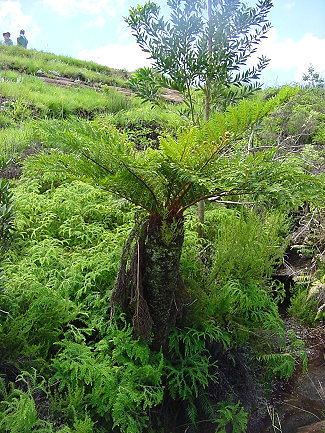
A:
[22, 40]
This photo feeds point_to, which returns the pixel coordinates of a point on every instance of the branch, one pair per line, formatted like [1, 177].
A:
[125, 197]
[213, 195]
[215, 199]
[141, 181]
[214, 153]
[96, 163]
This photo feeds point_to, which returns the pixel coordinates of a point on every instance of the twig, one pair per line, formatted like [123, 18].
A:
[216, 200]
[303, 410]
[305, 227]
[274, 419]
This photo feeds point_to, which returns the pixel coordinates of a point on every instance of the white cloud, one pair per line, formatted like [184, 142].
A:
[289, 5]
[288, 56]
[91, 7]
[97, 23]
[13, 19]
[121, 56]
[293, 56]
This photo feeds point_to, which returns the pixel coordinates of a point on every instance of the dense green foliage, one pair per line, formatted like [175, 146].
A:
[67, 365]
[312, 78]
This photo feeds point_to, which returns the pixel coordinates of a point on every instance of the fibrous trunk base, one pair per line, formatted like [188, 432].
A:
[149, 287]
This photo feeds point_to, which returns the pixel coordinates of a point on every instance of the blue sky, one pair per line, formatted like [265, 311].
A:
[94, 29]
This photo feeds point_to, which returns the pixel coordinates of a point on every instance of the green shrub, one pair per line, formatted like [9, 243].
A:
[190, 364]
[247, 246]
[243, 248]
[304, 307]
[26, 411]
[18, 410]
[74, 213]
[282, 364]
[231, 415]
[238, 293]
[70, 240]
[119, 379]
[19, 414]
[247, 312]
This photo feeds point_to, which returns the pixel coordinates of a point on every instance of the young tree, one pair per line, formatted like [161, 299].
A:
[312, 78]
[205, 44]
[210, 161]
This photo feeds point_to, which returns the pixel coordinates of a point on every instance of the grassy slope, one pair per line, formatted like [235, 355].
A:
[48, 99]
[36, 62]
[25, 96]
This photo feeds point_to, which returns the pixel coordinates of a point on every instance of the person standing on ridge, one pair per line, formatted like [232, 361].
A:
[22, 40]
[7, 41]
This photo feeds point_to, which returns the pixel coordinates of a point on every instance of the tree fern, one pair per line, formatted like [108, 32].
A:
[200, 162]
[210, 161]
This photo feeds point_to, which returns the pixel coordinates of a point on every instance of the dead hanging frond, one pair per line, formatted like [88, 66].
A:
[309, 235]
[317, 291]
[141, 320]
[121, 292]
[128, 292]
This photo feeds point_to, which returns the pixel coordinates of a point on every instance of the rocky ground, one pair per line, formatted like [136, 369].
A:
[300, 408]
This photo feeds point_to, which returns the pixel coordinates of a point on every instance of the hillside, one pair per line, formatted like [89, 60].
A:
[83, 163]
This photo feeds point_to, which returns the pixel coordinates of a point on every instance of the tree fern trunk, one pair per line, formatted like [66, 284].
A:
[149, 288]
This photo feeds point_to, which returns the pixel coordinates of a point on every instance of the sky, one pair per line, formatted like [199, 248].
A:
[95, 30]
